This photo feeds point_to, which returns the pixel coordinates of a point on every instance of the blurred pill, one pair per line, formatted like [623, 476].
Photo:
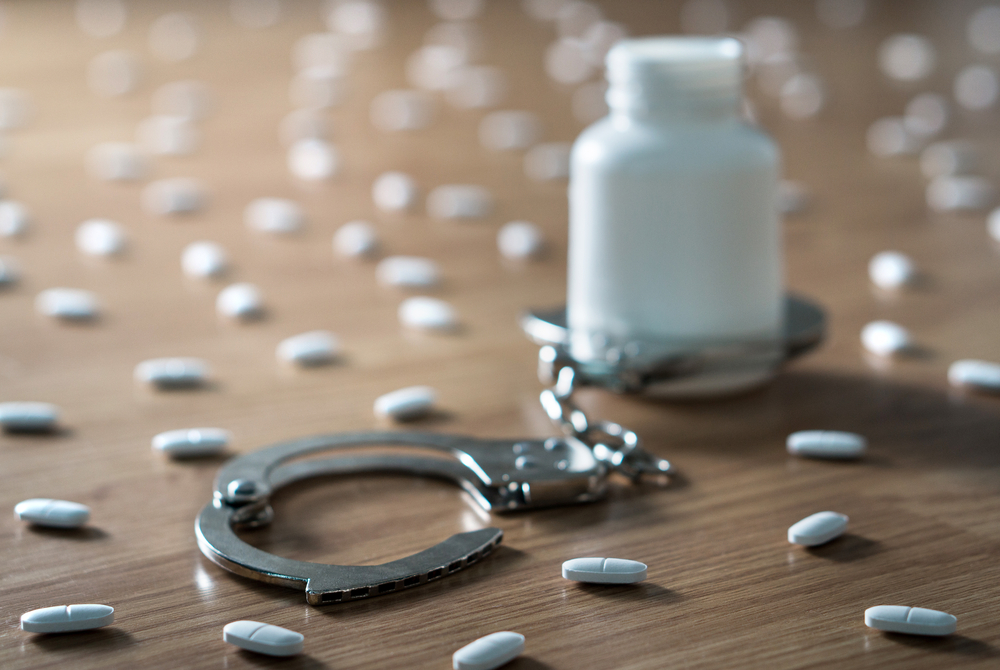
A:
[600, 37]
[906, 57]
[576, 17]
[178, 195]
[10, 271]
[926, 115]
[278, 216]
[464, 36]
[204, 259]
[188, 98]
[28, 417]
[793, 197]
[172, 373]
[976, 374]
[952, 157]
[889, 137]
[509, 130]
[774, 71]
[168, 135]
[589, 102]
[361, 22]
[395, 192]
[434, 67]
[841, 14]
[327, 50]
[520, 240]
[993, 224]
[401, 109]
[100, 237]
[566, 61]
[976, 87]
[407, 403]
[14, 218]
[70, 304]
[308, 123]
[885, 338]
[255, 14]
[192, 442]
[983, 29]
[15, 108]
[457, 10]
[317, 347]
[802, 96]
[114, 73]
[459, 201]
[548, 161]
[313, 160]
[478, 87]
[542, 10]
[116, 161]
[174, 37]
[355, 239]
[766, 36]
[240, 301]
[100, 18]
[407, 271]
[960, 193]
[891, 270]
[423, 313]
[704, 17]
[317, 86]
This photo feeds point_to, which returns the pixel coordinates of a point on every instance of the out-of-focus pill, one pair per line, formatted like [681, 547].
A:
[409, 271]
[817, 529]
[949, 193]
[71, 304]
[255, 14]
[927, 114]
[401, 109]
[457, 10]
[263, 638]
[767, 36]
[407, 403]
[204, 259]
[547, 161]
[982, 375]
[841, 14]
[304, 124]
[15, 108]
[317, 347]
[395, 192]
[28, 417]
[240, 301]
[192, 442]
[542, 10]
[465, 36]
[793, 197]
[174, 37]
[100, 237]
[273, 215]
[885, 338]
[566, 61]
[519, 240]
[52, 513]
[509, 130]
[435, 67]
[116, 161]
[100, 18]
[313, 160]
[993, 224]
[890, 137]
[977, 87]
[983, 29]
[891, 270]
[424, 313]
[478, 87]
[328, 50]
[67, 618]
[459, 201]
[170, 373]
[10, 271]
[114, 73]
[178, 195]
[168, 135]
[14, 218]
[186, 98]
[356, 238]
[361, 22]
[910, 620]
[952, 157]
[319, 86]
[604, 570]
[907, 57]
[576, 17]
[489, 652]
[600, 37]
[803, 96]
[831, 444]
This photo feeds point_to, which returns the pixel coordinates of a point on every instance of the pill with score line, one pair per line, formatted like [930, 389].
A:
[67, 618]
[910, 620]
[28, 416]
[192, 442]
[604, 570]
[831, 444]
[263, 638]
[976, 374]
[172, 373]
[407, 403]
[491, 651]
[817, 529]
[52, 513]
[317, 347]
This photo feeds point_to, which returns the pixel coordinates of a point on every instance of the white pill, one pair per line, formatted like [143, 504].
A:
[600, 37]
[803, 96]
[829, 444]
[435, 67]
[204, 259]
[278, 216]
[509, 130]
[187, 98]
[793, 197]
[976, 87]
[885, 338]
[10, 271]
[313, 160]
[891, 137]
[817, 529]
[71, 304]
[489, 652]
[767, 36]
[910, 620]
[174, 37]
[15, 108]
[168, 135]
[317, 347]
[519, 240]
[28, 416]
[304, 124]
[170, 373]
[356, 239]
[409, 271]
[395, 192]
[704, 17]
[116, 161]
[401, 109]
[566, 61]
[906, 57]
[318, 86]
[361, 22]
[327, 50]
[983, 375]
[841, 14]
[263, 638]
[542, 10]
[100, 237]
[192, 442]
[576, 17]
[14, 218]
[927, 114]
[983, 29]
[67, 618]
[52, 513]
[100, 18]
[949, 193]
[891, 270]
[255, 14]
[425, 313]
[407, 403]
[179, 195]
[459, 201]
[240, 301]
[478, 87]
[465, 36]
[114, 73]
[952, 157]
[548, 161]
[993, 224]
[457, 10]
[604, 570]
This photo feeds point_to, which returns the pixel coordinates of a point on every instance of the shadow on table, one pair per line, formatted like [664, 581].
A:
[299, 662]
[644, 592]
[949, 644]
[846, 548]
[85, 534]
[102, 639]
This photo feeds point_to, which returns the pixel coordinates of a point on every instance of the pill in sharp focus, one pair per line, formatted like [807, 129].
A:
[401, 110]
[910, 620]
[885, 338]
[14, 218]
[489, 652]
[179, 195]
[459, 201]
[982, 375]
[951, 157]
[407, 403]
[313, 160]
[891, 270]
[263, 638]
[424, 313]
[817, 529]
[204, 259]
[547, 161]
[10, 271]
[408, 271]
[67, 618]
[958, 193]
[604, 570]
[830, 444]
[192, 442]
[116, 161]
[356, 238]
[70, 304]
[28, 416]
[395, 192]
[114, 73]
[188, 99]
[170, 373]
[168, 135]
[240, 301]
[279, 216]
[317, 347]
[100, 237]
[52, 513]
[519, 240]
[907, 57]
[509, 130]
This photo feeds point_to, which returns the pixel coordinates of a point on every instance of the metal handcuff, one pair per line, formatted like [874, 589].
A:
[500, 475]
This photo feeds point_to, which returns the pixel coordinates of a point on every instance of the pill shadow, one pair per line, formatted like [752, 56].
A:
[102, 639]
[948, 644]
[527, 663]
[86, 534]
[298, 662]
[33, 434]
[644, 592]
[847, 548]
[432, 418]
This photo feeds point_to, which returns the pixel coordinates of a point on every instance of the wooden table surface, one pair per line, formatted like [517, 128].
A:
[725, 589]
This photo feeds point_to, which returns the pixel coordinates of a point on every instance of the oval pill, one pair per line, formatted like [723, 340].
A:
[172, 372]
[355, 239]
[179, 195]
[52, 513]
[28, 416]
[279, 216]
[10, 271]
[313, 159]
[425, 313]
[459, 201]
[116, 161]
[100, 237]
[885, 338]
[192, 442]
[316, 347]
[168, 135]
[519, 240]
[409, 271]
[395, 192]
[950, 193]
[67, 303]
[240, 301]
[489, 652]
[204, 259]
[891, 270]
[67, 618]
[983, 375]
[14, 218]
[407, 403]
[911, 620]
[817, 529]
[604, 570]
[832, 444]
[263, 638]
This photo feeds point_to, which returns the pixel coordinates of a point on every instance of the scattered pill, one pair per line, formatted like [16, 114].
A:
[26, 417]
[401, 109]
[179, 195]
[802, 96]
[409, 271]
[509, 130]
[361, 22]
[993, 224]
[263, 638]
[604, 570]
[192, 442]
[927, 114]
[600, 37]
[478, 87]
[542, 10]
[14, 218]
[187, 98]
[170, 373]
[168, 135]
[891, 270]
[114, 73]
[910, 620]
[983, 29]
[489, 652]
[424, 313]
[841, 14]
[793, 197]
[982, 375]
[953, 157]
[327, 50]
[255, 14]
[317, 347]
[435, 67]
[548, 161]
[313, 160]
[116, 161]
[566, 61]
[52, 513]
[976, 87]
[406, 404]
[885, 338]
[890, 137]
[457, 10]
[273, 215]
[767, 36]
[465, 36]
[100, 237]
[318, 86]
[575, 17]
[776, 70]
[817, 529]
[949, 193]
[204, 259]
[589, 102]
[704, 17]
[10, 271]
[520, 240]
[100, 18]
[240, 301]
[907, 57]
[459, 201]
[304, 124]
[395, 192]
[67, 618]
[174, 37]
[15, 108]
[829, 444]
[356, 239]
[71, 304]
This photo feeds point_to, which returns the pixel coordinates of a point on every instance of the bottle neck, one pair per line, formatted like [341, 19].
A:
[635, 100]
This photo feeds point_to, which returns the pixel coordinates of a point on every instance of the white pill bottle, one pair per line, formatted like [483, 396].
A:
[675, 247]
